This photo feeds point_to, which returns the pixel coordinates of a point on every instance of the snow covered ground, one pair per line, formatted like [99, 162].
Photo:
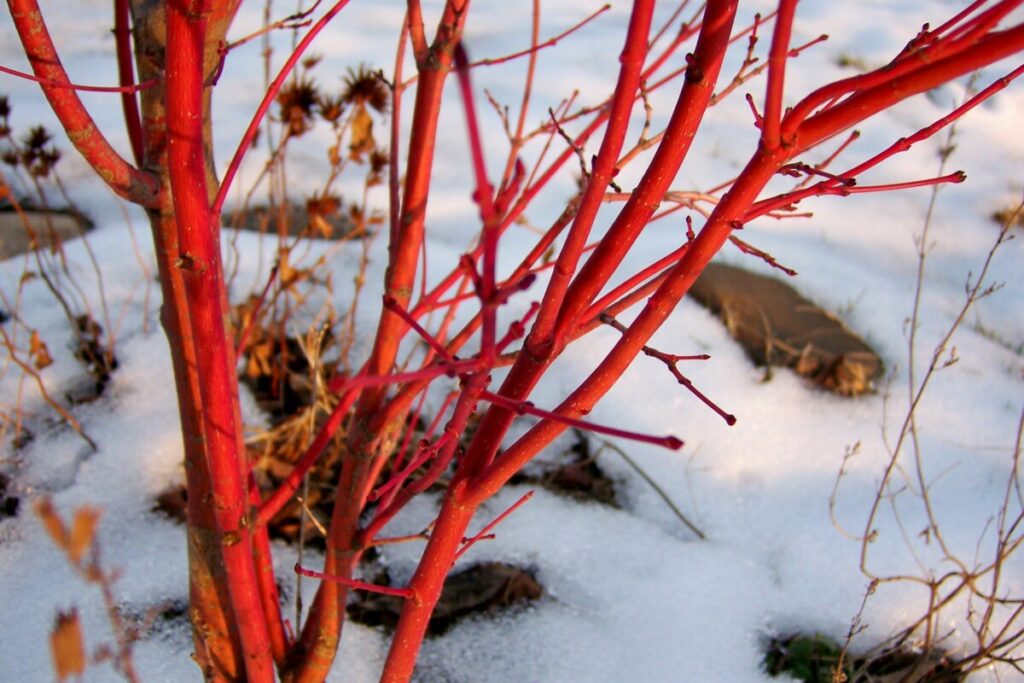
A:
[631, 594]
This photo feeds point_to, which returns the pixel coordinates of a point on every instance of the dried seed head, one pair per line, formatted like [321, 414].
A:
[378, 161]
[364, 86]
[36, 138]
[297, 101]
[330, 108]
[323, 205]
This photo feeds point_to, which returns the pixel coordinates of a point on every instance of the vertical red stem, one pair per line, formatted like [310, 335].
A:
[632, 61]
[426, 584]
[263, 557]
[777, 57]
[362, 462]
[126, 77]
[201, 268]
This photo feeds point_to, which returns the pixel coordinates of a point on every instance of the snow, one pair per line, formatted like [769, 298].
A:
[631, 594]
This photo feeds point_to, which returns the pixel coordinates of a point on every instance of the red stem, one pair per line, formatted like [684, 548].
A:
[486, 531]
[547, 43]
[766, 206]
[701, 75]
[269, 598]
[484, 197]
[363, 463]
[527, 408]
[426, 584]
[355, 583]
[777, 58]
[126, 76]
[65, 84]
[623, 288]
[268, 99]
[124, 179]
[887, 77]
[632, 60]
[865, 103]
[287, 488]
[203, 276]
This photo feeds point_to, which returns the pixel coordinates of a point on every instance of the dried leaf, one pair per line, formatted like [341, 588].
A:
[334, 155]
[362, 132]
[66, 645]
[37, 349]
[321, 228]
[286, 275]
[260, 357]
[52, 522]
[83, 531]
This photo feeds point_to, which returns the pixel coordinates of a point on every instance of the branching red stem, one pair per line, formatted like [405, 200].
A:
[123, 178]
[486, 531]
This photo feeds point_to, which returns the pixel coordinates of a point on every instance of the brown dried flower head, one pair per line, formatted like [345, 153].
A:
[297, 101]
[364, 86]
[323, 205]
[330, 108]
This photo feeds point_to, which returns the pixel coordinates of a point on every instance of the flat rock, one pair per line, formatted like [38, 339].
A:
[293, 220]
[20, 233]
[483, 588]
[777, 326]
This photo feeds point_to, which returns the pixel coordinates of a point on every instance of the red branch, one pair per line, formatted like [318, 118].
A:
[486, 531]
[65, 84]
[671, 361]
[484, 197]
[123, 178]
[126, 75]
[202, 273]
[527, 408]
[268, 99]
[547, 43]
[354, 583]
[287, 488]
[777, 58]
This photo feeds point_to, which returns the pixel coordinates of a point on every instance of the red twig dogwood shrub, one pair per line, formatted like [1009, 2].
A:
[177, 48]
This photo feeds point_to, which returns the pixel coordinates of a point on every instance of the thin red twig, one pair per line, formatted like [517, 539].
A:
[527, 408]
[68, 85]
[355, 583]
[547, 43]
[486, 531]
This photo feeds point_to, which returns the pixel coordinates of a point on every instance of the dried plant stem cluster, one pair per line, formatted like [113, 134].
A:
[238, 625]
